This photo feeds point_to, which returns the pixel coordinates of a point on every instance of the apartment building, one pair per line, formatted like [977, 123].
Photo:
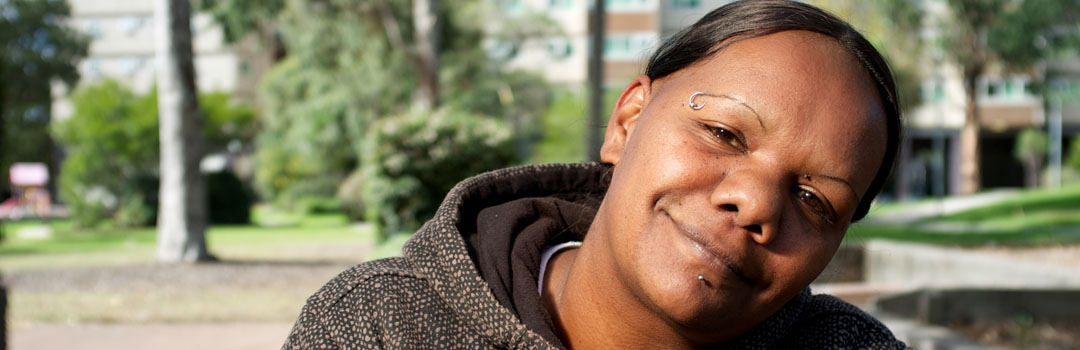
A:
[633, 29]
[122, 48]
[1007, 102]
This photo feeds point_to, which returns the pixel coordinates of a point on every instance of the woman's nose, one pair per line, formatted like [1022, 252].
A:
[755, 200]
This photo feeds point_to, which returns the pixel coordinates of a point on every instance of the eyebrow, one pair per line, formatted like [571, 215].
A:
[744, 104]
[845, 182]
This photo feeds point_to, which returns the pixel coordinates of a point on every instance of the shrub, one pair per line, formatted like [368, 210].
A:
[1073, 160]
[111, 140]
[412, 160]
[318, 205]
[564, 127]
[350, 196]
[305, 195]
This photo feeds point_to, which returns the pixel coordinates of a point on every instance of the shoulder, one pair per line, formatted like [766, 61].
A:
[350, 310]
[367, 280]
[831, 323]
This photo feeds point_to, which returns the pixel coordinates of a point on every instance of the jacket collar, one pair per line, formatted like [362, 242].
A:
[439, 253]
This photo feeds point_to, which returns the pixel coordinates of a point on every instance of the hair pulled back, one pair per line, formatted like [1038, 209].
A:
[743, 20]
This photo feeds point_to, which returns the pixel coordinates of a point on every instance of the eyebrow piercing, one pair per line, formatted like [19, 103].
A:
[693, 105]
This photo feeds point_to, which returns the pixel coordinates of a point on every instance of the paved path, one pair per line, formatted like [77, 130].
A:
[948, 205]
[227, 336]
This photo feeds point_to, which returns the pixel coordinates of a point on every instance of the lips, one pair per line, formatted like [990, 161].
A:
[714, 257]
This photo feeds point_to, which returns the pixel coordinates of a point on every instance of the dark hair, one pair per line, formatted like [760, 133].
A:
[742, 20]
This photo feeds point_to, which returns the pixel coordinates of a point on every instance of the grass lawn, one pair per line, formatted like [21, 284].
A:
[1038, 209]
[109, 275]
[66, 247]
[1035, 217]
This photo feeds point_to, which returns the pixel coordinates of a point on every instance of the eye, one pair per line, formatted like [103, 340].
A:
[815, 204]
[727, 137]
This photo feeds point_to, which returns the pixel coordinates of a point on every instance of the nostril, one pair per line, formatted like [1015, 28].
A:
[730, 207]
[754, 228]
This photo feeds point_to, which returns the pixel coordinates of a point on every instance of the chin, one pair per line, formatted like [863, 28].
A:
[701, 313]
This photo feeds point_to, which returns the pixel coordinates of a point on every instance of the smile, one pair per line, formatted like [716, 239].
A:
[719, 261]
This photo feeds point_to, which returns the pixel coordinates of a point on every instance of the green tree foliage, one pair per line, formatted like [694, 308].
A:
[1074, 155]
[1030, 149]
[111, 139]
[564, 124]
[1030, 143]
[238, 18]
[36, 48]
[413, 160]
[351, 63]
[1014, 34]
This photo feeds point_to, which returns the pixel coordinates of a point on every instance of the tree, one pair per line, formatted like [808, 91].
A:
[111, 141]
[351, 63]
[1014, 34]
[1030, 150]
[182, 216]
[426, 22]
[36, 49]
[238, 18]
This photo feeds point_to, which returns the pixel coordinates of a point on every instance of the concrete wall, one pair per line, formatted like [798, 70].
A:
[952, 306]
[905, 265]
[847, 265]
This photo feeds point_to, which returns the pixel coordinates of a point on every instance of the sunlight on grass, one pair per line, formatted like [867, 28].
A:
[1037, 208]
[862, 232]
[326, 236]
[1032, 217]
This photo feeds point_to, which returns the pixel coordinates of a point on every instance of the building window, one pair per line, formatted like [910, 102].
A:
[130, 65]
[93, 28]
[933, 91]
[627, 5]
[93, 67]
[502, 50]
[560, 4]
[131, 24]
[686, 4]
[560, 48]
[511, 7]
[628, 46]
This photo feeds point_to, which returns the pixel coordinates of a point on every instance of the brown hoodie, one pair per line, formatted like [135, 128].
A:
[468, 278]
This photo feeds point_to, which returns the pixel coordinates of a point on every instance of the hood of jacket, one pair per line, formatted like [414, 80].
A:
[443, 250]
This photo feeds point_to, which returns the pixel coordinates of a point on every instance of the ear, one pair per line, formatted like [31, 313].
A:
[623, 118]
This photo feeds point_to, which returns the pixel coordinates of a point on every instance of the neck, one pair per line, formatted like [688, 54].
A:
[593, 309]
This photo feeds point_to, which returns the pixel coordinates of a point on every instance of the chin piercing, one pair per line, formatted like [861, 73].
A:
[693, 105]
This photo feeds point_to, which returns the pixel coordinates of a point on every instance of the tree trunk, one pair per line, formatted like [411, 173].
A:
[594, 129]
[1032, 170]
[425, 21]
[182, 210]
[970, 177]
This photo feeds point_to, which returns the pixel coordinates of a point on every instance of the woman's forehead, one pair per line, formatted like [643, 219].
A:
[805, 87]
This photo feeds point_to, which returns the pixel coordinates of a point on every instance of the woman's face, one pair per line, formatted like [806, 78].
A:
[753, 191]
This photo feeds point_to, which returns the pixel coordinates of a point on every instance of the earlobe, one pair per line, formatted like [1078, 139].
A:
[624, 116]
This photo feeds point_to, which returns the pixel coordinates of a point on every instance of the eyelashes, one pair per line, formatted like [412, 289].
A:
[727, 137]
[815, 204]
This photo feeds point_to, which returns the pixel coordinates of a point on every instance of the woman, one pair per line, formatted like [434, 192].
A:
[733, 167]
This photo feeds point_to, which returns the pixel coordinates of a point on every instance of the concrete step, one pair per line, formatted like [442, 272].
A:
[924, 337]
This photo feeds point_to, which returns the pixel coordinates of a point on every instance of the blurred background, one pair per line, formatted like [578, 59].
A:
[318, 134]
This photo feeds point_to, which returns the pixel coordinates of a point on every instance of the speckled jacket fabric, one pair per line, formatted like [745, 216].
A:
[435, 298]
